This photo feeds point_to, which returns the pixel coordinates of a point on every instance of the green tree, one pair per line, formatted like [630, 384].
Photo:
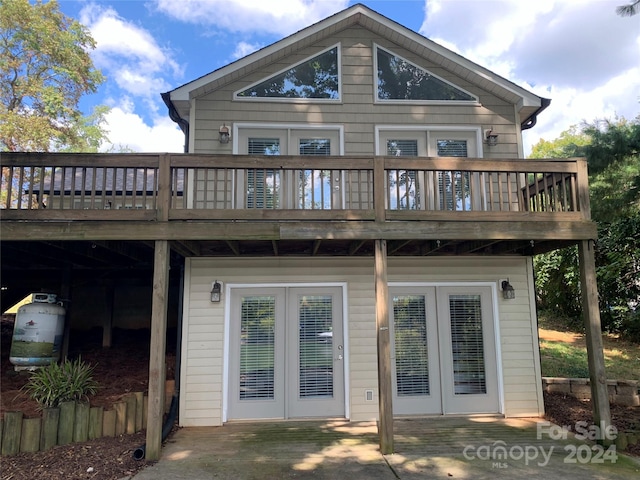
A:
[612, 149]
[628, 10]
[45, 68]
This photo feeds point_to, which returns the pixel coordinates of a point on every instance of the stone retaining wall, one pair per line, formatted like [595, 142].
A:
[621, 392]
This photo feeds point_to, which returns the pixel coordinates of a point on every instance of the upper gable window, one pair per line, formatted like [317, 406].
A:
[399, 79]
[316, 78]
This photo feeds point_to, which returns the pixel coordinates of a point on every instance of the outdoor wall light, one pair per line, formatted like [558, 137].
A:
[216, 290]
[508, 292]
[490, 137]
[224, 134]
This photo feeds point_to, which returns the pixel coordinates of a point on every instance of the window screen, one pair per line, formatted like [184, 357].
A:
[467, 344]
[410, 332]
[257, 324]
[316, 346]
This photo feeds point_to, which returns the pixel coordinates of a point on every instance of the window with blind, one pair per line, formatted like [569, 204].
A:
[263, 184]
[403, 186]
[411, 355]
[315, 346]
[454, 186]
[257, 335]
[467, 344]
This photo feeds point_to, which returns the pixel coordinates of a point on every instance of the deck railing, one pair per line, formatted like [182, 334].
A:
[215, 187]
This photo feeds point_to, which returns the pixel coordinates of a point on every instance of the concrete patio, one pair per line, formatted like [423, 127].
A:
[439, 447]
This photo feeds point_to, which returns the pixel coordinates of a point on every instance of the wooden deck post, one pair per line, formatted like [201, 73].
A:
[157, 370]
[385, 401]
[595, 355]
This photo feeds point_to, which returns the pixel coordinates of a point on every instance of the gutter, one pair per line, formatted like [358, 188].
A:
[531, 121]
[175, 116]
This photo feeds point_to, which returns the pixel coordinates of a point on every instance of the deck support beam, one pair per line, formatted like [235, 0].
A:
[591, 314]
[385, 399]
[157, 368]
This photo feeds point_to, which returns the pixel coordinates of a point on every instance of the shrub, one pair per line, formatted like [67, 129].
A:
[57, 383]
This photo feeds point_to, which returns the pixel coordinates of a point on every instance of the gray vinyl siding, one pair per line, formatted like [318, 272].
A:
[357, 111]
[203, 363]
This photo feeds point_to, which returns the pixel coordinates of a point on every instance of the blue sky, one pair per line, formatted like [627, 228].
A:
[578, 53]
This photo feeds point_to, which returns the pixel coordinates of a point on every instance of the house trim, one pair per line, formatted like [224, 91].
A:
[227, 340]
[367, 18]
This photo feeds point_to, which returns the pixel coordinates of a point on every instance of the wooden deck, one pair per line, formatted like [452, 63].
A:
[215, 200]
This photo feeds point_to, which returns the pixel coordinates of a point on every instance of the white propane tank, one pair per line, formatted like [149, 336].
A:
[37, 333]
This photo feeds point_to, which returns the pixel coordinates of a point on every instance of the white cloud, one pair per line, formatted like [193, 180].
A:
[580, 54]
[128, 130]
[243, 49]
[128, 53]
[256, 16]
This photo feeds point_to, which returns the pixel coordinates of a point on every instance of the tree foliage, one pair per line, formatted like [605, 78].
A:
[45, 68]
[628, 10]
[612, 149]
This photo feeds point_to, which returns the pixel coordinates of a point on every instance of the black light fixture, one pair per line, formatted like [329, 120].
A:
[224, 134]
[490, 138]
[508, 293]
[216, 290]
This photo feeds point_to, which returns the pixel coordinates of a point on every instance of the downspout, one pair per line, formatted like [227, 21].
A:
[175, 116]
[531, 121]
[140, 452]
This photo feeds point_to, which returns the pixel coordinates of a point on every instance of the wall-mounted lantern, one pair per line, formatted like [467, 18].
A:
[224, 134]
[216, 290]
[508, 293]
[490, 138]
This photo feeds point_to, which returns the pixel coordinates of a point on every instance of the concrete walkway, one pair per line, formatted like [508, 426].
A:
[451, 448]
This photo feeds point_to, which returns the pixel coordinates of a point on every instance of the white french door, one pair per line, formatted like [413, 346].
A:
[443, 355]
[306, 189]
[286, 353]
[441, 190]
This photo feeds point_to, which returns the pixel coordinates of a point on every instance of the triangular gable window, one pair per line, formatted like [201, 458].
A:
[399, 79]
[316, 78]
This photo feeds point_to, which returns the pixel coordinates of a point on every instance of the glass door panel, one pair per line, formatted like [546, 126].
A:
[415, 363]
[256, 383]
[468, 350]
[316, 353]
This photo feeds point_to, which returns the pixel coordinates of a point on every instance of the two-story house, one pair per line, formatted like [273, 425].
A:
[358, 226]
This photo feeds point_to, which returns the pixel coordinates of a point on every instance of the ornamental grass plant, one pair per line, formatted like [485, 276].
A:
[57, 383]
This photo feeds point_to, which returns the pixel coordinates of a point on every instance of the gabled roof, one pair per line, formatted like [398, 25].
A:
[529, 104]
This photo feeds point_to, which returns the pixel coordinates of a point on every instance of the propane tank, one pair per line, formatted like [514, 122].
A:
[37, 333]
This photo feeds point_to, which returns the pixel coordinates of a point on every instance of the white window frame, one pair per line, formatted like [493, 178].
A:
[236, 97]
[473, 131]
[288, 128]
[379, 149]
[376, 99]
[496, 325]
[226, 348]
